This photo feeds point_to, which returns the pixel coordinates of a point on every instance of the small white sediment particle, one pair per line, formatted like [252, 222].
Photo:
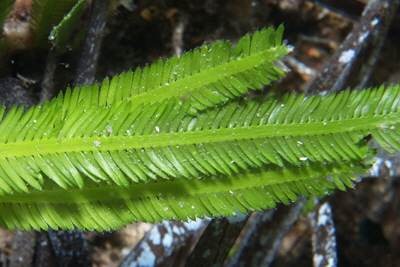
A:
[375, 21]
[362, 37]
[347, 56]
[299, 143]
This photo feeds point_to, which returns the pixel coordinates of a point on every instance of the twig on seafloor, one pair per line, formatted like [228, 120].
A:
[372, 27]
[165, 244]
[87, 66]
[216, 241]
[323, 236]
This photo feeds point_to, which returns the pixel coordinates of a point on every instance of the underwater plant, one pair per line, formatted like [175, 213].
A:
[177, 140]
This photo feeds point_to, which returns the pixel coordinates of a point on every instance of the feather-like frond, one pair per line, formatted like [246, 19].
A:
[103, 207]
[122, 144]
[175, 141]
[206, 76]
[61, 33]
[45, 14]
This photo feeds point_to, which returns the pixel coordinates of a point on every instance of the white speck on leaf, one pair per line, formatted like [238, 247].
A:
[299, 143]
[109, 129]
